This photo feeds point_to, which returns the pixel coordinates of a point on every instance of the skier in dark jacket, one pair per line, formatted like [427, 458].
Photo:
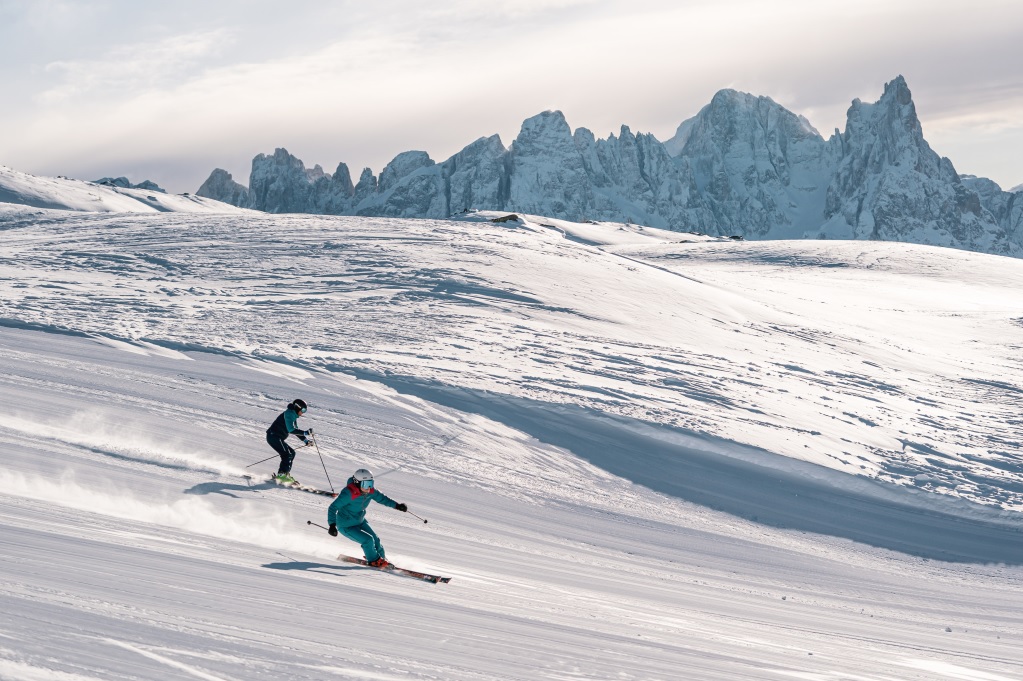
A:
[347, 515]
[284, 425]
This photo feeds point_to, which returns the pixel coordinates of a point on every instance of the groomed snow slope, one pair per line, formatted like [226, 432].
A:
[553, 398]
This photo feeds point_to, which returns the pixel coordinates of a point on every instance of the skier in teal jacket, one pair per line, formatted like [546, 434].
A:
[284, 425]
[347, 515]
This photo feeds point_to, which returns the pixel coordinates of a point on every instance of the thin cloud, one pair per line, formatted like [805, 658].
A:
[133, 68]
[356, 83]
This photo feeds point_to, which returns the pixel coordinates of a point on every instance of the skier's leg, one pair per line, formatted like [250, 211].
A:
[287, 460]
[286, 453]
[364, 535]
[376, 540]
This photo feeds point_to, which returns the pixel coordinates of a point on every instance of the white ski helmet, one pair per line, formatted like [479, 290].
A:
[362, 475]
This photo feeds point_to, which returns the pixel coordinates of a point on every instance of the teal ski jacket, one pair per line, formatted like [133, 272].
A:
[349, 508]
[287, 424]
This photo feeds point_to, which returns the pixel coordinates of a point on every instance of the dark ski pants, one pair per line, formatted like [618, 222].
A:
[286, 452]
[363, 534]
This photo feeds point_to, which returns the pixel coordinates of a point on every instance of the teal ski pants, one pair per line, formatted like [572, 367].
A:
[364, 535]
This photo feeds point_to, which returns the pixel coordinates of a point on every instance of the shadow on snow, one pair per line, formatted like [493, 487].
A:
[706, 471]
[226, 488]
[311, 567]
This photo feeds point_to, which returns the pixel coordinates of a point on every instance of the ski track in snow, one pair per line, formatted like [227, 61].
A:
[639, 460]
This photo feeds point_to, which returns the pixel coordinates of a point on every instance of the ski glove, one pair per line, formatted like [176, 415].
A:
[401, 507]
[332, 530]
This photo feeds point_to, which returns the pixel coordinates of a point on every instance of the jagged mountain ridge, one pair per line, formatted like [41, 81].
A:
[743, 165]
[125, 183]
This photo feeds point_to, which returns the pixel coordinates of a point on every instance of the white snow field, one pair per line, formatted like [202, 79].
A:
[642, 455]
[18, 189]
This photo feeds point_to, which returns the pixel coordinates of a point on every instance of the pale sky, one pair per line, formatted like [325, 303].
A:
[168, 91]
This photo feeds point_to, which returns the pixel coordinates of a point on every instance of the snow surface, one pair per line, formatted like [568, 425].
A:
[63, 193]
[642, 455]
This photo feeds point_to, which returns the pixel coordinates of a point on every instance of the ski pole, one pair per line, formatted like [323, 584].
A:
[415, 516]
[323, 464]
[268, 458]
[310, 522]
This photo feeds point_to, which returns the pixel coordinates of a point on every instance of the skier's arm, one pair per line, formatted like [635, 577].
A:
[333, 509]
[382, 498]
[338, 509]
[291, 424]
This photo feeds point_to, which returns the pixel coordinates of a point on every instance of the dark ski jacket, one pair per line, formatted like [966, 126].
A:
[349, 508]
[285, 424]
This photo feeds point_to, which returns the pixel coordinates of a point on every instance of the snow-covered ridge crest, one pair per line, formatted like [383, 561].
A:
[743, 165]
[18, 189]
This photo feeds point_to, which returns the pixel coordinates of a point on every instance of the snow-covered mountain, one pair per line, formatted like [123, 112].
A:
[743, 165]
[763, 170]
[641, 454]
[1006, 207]
[548, 170]
[108, 195]
[125, 183]
[891, 186]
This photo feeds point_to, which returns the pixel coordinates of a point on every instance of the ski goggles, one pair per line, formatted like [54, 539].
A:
[366, 484]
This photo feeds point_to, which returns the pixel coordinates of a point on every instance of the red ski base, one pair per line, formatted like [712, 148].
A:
[397, 570]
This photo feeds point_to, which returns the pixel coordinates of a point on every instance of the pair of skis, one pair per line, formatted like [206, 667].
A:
[435, 579]
[290, 485]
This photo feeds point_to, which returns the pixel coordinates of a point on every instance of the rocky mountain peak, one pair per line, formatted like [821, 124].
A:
[891, 124]
[125, 183]
[762, 169]
[547, 130]
[890, 184]
[403, 165]
[743, 165]
[280, 183]
[221, 184]
[315, 173]
[898, 90]
[343, 179]
[280, 158]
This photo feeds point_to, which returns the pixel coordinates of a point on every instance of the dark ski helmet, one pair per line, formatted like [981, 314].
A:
[299, 406]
